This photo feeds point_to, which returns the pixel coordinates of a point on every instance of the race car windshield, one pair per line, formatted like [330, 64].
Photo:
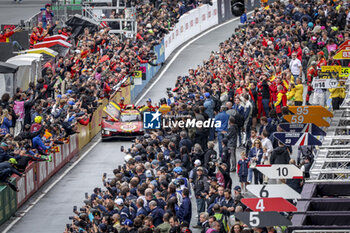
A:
[112, 111]
[130, 117]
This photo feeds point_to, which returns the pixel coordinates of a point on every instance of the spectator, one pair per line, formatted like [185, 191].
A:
[185, 209]
[46, 15]
[255, 156]
[5, 38]
[280, 155]
[201, 188]
[6, 170]
[223, 117]
[231, 135]
[243, 166]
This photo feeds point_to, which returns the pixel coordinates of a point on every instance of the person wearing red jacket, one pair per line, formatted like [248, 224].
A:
[35, 37]
[298, 51]
[311, 74]
[281, 100]
[121, 103]
[5, 38]
[150, 106]
[321, 60]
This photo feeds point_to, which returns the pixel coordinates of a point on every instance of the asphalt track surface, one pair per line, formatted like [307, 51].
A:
[12, 12]
[50, 213]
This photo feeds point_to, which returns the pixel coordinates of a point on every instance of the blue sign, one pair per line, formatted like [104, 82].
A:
[303, 128]
[297, 139]
[151, 120]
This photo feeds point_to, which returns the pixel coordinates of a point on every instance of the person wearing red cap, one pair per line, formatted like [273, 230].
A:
[321, 60]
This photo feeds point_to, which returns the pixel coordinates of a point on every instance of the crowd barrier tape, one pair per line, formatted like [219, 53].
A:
[189, 25]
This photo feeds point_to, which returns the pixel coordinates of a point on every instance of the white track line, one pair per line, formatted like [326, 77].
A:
[86, 152]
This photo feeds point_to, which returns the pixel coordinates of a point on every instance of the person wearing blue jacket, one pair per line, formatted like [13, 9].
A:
[4, 155]
[223, 117]
[243, 167]
[156, 213]
[6, 171]
[209, 105]
[255, 156]
[185, 209]
[243, 18]
[209, 110]
[5, 122]
[140, 207]
[239, 110]
[39, 144]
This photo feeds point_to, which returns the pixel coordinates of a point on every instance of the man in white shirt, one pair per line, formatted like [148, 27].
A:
[295, 66]
[266, 143]
[267, 149]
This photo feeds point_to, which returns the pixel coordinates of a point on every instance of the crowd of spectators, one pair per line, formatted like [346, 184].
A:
[249, 82]
[247, 85]
[35, 120]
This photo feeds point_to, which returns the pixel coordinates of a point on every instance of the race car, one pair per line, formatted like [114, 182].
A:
[121, 123]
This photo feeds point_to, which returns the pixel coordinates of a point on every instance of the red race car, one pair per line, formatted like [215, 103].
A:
[121, 123]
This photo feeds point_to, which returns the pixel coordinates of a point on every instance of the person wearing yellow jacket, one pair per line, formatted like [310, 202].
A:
[299, 89]
[291, 95]
[281, 100]
[337, 95]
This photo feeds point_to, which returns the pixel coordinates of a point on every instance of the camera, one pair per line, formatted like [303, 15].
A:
[71, 217]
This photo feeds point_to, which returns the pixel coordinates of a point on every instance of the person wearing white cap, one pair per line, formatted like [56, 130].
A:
[124, 210]
[193, 173]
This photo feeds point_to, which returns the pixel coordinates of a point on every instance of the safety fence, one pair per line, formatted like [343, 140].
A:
[8, 204]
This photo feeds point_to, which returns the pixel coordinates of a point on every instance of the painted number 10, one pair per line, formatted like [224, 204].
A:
[282, 171]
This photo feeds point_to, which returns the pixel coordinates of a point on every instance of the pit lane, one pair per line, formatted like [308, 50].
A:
[51, 212]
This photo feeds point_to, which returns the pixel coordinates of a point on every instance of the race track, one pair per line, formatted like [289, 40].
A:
[51, 213]
[12, 13]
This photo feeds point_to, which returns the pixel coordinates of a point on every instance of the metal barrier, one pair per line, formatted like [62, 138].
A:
[332, 161]
[31, 22]
[64, 9]
[126, 26]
